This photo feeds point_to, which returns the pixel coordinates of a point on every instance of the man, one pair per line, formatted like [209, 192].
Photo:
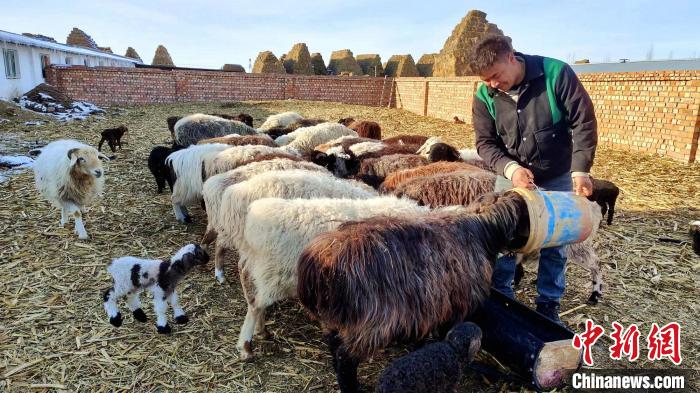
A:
[535, 125]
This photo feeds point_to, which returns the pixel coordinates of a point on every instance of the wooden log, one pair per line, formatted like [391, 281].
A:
[527, 342]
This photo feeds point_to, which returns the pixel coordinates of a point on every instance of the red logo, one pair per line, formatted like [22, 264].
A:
[586, 340]
[626, 342]
[665, 342]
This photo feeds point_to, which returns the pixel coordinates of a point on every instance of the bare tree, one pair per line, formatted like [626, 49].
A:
[650, 53]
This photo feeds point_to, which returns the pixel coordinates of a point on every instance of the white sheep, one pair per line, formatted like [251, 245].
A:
[191, 129]
[133, 275]
[277, 230]
[186, 165]
[231, 158]
[280, 120]
[214, 189]
[305, 139]
[69, 175]
[296, 183]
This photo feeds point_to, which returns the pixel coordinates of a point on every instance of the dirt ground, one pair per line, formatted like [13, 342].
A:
[55, 336]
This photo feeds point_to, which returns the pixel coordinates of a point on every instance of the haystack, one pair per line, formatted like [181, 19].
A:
[453, 58]
[107, 49]
[233, 68]
[425, 64]
[40, 37]
[131, 53]
[401, 66]
[582, 61]
[298, 60]
[162, 57]
[78, 37]
[317, 64]
[342, 61]
[267, 63]
[371, 64]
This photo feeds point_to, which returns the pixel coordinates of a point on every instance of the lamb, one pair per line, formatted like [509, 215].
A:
[172, 120]
[133, 275]
[306, 138]
[367, 129]
[288, 184]
[186, 171]
[156, 164]
[694, 233]
[394, 179]
[457, 120]
[113, 136]
[436, 367]
[277, 230]
[446, 189]
[380, 280]
[582, 253]
[191, 129]
[280, 120]
[605, 193]
[215, 186]
[241, 140]
[406, 140]
[373, 171]
[69, 175]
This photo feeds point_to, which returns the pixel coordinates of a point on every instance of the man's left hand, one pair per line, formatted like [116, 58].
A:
[583, 186]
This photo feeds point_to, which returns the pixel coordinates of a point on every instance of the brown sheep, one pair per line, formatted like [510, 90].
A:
[447, 189]
[394, 179]
[367, 129]
[241, 140]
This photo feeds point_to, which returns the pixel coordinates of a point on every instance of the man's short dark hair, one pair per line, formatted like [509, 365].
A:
[489, 50]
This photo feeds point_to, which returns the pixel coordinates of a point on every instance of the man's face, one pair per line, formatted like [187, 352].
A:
[503, 74]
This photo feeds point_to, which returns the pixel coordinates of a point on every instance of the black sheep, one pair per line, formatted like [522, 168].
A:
[113, 136]
[605, 194]
[436, 367]
[443, 152]
[171, 124]
[156, 164]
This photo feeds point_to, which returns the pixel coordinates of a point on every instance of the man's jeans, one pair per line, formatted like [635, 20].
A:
[551, 274]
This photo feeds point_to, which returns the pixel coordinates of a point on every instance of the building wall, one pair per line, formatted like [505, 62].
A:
[653, 112]
[30, 67]
[105, 86]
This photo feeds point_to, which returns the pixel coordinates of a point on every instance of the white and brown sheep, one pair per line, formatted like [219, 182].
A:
[69, 174]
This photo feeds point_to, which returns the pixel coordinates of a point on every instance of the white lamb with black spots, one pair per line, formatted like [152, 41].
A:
[133, 275]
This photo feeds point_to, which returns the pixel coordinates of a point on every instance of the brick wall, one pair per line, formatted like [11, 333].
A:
[652, 112]
[108, 85]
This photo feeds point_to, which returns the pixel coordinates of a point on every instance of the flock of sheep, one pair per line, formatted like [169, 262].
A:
[379, 239]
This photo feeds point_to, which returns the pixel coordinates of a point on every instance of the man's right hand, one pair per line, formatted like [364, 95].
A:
[523, 177]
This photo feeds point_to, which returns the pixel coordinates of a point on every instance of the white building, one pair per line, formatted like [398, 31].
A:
[24, 59]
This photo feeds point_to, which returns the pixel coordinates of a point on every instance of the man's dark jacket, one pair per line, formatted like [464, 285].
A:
[551, 130]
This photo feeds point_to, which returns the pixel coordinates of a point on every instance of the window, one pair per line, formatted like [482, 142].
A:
[69, 60]
[11, 63]
[45, 62]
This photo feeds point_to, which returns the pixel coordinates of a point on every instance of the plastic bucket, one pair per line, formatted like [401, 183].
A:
[556, 218]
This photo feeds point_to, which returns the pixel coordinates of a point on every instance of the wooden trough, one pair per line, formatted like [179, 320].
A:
[530, 344]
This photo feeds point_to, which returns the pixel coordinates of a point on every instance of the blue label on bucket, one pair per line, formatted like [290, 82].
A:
[564, 224]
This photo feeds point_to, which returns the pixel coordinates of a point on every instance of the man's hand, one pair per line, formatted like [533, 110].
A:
[524, 178]
[583, 186]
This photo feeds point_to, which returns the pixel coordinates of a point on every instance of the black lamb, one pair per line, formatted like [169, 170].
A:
[605, 194]
[113, 136]
[156, 164]
[436, 367]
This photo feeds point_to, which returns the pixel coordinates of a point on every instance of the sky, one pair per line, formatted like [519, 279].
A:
[210, 33]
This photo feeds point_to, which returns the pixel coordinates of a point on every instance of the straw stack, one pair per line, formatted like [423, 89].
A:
[267, 63]
[162, 57]
[131, 53]
[401, 66]
[298, 60]
[371, 64]
[425, 64]
[343, 62]
[317, 64]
